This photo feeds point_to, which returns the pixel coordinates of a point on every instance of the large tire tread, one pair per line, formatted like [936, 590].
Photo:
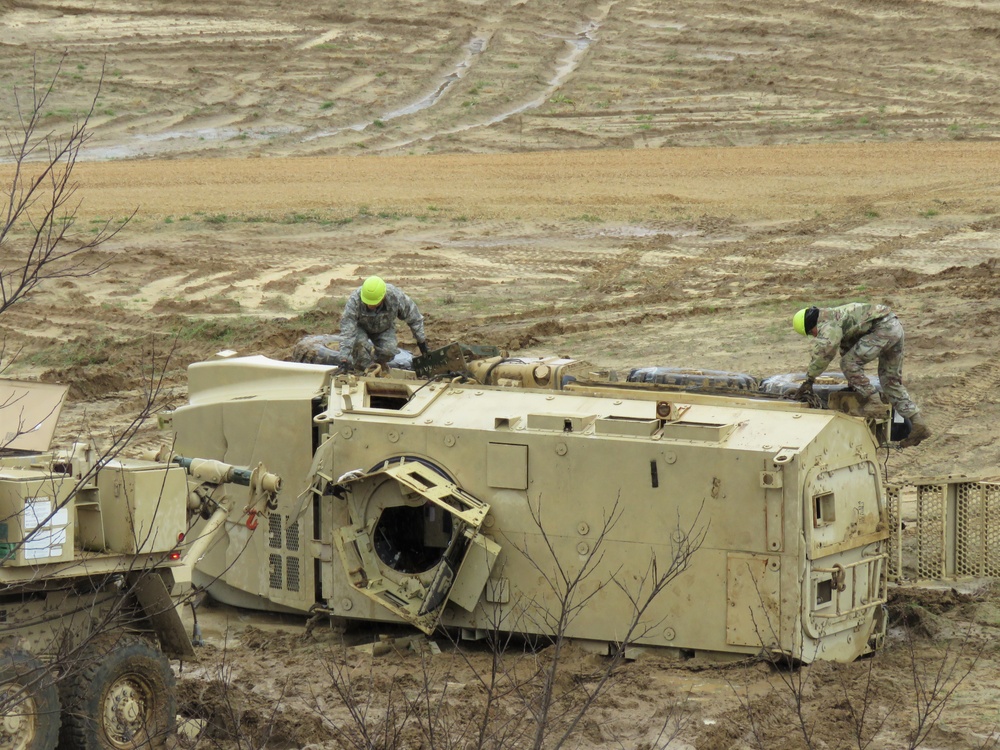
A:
[25, 672]
[82, 691]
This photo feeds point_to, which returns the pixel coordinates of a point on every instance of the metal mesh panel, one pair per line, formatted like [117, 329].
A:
[930, 530]
[968, 529]
[894, 510]
[991, 528]
[957, 529]
[274, 531]
[291, 536]
[274, 564]
[293, 574]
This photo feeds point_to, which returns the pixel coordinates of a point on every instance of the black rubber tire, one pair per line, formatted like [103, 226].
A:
[27, 692]
[785, 384]
[693, 379]
[324, 349]
[318, 349]
[121, 696]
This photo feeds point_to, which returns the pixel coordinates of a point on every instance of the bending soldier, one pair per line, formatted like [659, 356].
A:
[861, 332]
[368, 324]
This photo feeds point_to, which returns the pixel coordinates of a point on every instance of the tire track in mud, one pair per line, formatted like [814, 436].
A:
[566, 65]
[773, 256]
[973, 392]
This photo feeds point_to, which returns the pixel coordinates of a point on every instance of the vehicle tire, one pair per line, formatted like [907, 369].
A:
[29, 703]
[318, 349]
[693, 379]
[324, 349]
[121, 696]
[828, 382]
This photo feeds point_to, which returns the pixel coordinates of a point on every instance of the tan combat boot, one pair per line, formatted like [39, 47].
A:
[918, 432]
[873, 408]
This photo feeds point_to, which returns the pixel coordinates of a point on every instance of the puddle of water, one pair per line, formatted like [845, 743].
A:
[180, 139]
[639, 231]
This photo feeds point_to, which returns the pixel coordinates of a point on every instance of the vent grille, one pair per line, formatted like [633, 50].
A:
[291, 536]
[293, 574]
[274, 531]
[275, 564]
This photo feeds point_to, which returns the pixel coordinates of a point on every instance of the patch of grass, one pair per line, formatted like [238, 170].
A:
[326, 105]
[218, 219]
[237, 329]
[168, 220]
[929, 213]
[378, 124]
[63, 113]
[81, 352]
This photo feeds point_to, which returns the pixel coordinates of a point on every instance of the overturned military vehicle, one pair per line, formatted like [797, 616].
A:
[474, 493]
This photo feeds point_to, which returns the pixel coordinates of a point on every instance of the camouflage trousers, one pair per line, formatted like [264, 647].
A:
[884, 342]
[371, 348]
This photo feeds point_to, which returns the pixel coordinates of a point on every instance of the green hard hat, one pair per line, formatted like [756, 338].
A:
[373, 290]
[799, 321]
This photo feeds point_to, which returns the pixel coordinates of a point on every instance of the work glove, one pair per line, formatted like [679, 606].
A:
[804, 391]
[346, 366]
[423, 347]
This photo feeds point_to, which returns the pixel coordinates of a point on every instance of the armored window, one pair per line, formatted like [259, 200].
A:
[824, 592]
[824, 510]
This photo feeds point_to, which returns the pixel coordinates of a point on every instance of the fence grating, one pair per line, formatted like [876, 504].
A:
[956, 533]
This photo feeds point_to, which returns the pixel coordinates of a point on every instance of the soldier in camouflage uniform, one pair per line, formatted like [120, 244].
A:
[368, 325]
[861, 332]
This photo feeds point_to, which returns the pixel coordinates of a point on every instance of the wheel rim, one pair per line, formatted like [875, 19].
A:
[19, 723]
[128, 708]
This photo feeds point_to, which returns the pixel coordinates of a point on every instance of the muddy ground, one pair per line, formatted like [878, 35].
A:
[629, 182]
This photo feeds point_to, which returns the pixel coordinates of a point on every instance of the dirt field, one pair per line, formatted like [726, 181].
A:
[629, 182]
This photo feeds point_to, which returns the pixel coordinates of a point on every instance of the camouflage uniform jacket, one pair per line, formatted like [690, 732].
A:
[840, 328]
[396, 304]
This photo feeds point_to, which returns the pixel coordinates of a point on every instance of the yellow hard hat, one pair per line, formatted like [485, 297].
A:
[373, 290]
[805, 319]
[799, 321]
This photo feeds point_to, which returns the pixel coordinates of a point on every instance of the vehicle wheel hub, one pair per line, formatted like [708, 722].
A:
[17, 730]
[125, 711]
